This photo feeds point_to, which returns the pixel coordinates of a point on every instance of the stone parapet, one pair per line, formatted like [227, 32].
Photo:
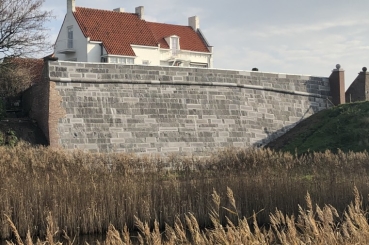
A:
[116, 73]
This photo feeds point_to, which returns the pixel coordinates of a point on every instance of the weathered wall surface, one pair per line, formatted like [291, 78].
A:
[146, 109]
[35, 102]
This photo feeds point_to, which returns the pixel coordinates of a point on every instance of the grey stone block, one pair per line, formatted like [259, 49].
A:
[169, 149]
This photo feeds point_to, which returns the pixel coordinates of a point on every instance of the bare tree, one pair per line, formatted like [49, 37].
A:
[22, 30]
[22, 34]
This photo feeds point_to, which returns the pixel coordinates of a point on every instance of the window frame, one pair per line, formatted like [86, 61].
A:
[121, 60]
[70, 38]
[174, 45]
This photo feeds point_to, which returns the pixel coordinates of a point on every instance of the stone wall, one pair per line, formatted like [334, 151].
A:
[160, 110]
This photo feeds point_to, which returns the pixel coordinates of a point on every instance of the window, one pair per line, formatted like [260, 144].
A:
[70, 37]
[145, 62]
[174, 45]
[120, 60]
[199, 65]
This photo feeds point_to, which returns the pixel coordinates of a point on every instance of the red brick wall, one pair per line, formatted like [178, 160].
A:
[337, 84]
[56, 112]
[356, 91]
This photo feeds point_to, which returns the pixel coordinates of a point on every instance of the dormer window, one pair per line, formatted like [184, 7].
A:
[174, 45]
[173, 42]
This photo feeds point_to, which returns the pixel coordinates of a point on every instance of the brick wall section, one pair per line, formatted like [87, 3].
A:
[161, 110]
[337, 85]
[366, 74]
[56, 111]
[358, 90]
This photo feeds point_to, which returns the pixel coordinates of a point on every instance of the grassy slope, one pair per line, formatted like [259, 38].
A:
[344, 127]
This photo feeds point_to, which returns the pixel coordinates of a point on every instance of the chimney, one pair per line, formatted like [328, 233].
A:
[337, 84]
[140, 12]
[71, 6]
[121, 10]
[194, 22]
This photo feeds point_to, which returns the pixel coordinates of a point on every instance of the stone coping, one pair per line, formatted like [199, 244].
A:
[232, 71]
[157, 82]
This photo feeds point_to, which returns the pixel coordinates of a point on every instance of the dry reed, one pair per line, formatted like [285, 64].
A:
[87, 193]
[312, 226]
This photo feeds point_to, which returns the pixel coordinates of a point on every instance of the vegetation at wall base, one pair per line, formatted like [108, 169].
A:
[313, 225]
[13, 130]
[87, 193]
[9, 138]
[344, 127]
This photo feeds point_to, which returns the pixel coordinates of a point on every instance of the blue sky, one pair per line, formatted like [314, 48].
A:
[285, 36]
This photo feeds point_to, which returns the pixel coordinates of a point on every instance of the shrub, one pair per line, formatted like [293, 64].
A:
[12, 139]
[9, 138]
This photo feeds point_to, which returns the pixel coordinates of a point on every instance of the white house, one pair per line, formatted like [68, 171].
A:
[94, 35]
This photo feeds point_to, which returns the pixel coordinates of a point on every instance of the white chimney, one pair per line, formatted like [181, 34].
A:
[140, 12]
[121, 10]
[194, 22]
[71, 6]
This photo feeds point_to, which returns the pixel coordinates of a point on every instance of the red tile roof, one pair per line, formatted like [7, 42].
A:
[117, 31]
[188, 38]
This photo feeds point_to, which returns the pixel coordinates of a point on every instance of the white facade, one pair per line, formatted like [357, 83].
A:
[146, 55]
[72, 45]
[185, 58]
[94, 51]
[157, 56]
[71, 49]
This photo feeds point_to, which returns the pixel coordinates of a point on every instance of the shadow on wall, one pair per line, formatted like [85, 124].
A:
[337, 92]
[359, 89]
[337, 85]
[271, 136]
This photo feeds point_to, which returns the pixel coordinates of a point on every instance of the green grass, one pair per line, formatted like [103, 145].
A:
[344, 127]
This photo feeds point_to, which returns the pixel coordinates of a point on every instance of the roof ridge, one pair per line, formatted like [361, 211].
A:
[168, 24]
[105, 10]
